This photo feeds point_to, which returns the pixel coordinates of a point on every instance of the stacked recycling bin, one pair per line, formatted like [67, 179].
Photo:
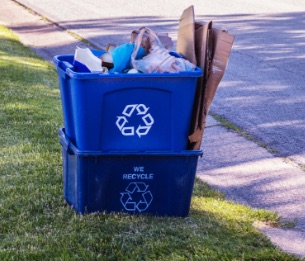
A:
[124, 140]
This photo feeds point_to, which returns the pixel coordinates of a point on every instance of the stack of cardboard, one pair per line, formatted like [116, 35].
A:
[209, 48]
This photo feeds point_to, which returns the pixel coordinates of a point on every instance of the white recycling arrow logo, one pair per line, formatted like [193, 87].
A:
[128, 112]
[136, 197]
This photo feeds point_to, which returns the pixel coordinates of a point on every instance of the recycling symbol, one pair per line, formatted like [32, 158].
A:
[136, 197]
[135, 110]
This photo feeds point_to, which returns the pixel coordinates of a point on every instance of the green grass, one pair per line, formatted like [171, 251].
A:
[37, 224]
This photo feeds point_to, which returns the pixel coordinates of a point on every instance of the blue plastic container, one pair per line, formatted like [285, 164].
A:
[126, 112]
[157, 183]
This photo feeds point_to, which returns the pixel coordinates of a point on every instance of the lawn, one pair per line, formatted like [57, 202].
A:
[37, 224]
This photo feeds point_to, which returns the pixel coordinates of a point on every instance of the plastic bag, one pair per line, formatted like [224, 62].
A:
[121, 56]
[158, 59]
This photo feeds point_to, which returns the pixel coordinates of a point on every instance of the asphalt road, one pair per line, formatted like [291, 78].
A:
[263, 89]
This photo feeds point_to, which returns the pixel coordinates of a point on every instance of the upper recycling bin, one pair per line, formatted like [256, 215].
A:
[126, 112]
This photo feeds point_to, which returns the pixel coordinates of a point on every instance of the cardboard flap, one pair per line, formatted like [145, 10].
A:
[186, 35]
[196, 136]
[222, 44]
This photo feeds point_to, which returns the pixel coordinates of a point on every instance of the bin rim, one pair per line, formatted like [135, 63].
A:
[85, 75]
[68, 145]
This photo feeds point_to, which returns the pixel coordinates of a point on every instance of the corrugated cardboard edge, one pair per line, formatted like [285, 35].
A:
[221, 44]
[203, 60]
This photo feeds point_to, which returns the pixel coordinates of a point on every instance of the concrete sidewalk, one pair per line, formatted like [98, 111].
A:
[240, 168]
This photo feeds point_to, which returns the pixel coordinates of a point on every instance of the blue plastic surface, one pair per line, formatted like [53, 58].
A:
[66, 97]
[126, 112]
[157, 183]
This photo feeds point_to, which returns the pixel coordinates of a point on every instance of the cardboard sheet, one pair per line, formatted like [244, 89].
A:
[203, 61]
[209, 48]
[186, 35]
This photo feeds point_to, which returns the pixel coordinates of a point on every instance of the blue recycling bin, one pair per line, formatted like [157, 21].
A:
[158, 183]
[126, 112]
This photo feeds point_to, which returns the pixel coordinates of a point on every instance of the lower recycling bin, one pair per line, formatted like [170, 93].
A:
[126, 112]
[158, 183]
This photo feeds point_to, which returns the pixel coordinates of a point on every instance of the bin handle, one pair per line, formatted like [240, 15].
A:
[65, 141]
[66, 144]
[63, 66]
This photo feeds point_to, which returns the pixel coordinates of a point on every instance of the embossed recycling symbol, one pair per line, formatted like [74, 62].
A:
[135, 110]
[136, 197]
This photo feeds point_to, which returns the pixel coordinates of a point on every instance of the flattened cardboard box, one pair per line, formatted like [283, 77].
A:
[203, 56]
[211, 48]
